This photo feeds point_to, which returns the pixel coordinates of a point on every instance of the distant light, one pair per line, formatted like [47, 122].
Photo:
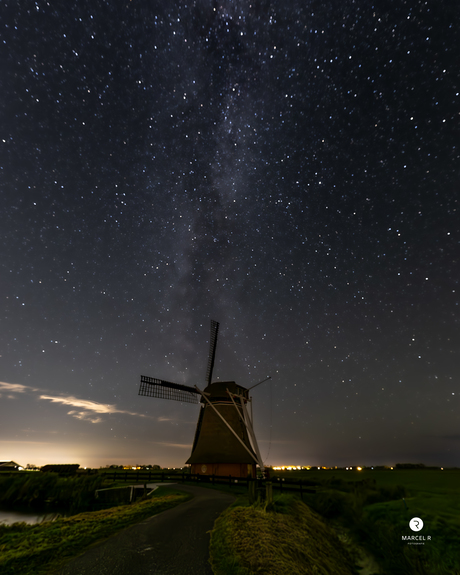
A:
[442, 468]
[359, 468]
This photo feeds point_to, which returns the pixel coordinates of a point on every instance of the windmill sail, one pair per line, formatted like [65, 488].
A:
[212, 350]
[152, 387]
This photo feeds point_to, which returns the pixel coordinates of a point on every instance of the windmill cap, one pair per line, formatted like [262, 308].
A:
[218, 390]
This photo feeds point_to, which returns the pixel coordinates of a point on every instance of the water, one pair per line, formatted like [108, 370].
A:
[10, 517]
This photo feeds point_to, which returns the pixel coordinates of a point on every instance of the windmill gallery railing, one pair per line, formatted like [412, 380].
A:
[278, 483]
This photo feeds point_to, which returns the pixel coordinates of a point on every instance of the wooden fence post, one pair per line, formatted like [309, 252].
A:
[268, 492]
[251, 492]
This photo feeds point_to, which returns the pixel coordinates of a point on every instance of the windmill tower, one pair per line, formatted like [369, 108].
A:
[225, 443]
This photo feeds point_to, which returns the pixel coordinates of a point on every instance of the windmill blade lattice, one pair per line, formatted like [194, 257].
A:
[153, 387]
[212, 350]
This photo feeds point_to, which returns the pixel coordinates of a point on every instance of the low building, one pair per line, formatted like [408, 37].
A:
[9, 466]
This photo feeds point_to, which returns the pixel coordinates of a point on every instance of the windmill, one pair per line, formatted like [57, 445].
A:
[225, 443]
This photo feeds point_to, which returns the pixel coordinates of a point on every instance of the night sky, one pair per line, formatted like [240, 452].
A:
[287, 168]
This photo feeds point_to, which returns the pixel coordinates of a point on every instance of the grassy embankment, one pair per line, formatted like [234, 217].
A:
[43, 548]
[289, 539]
[364, 509]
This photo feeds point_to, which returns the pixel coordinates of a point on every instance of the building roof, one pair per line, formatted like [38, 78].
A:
[8, 464]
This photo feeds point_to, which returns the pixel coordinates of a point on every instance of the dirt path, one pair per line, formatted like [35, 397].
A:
[175, 542]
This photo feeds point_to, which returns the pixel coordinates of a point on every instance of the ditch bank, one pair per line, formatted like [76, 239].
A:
[293, 540]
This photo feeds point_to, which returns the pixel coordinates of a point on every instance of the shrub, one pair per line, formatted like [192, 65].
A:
[44, 491]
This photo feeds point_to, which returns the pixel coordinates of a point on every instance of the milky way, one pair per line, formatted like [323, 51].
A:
[289, 169]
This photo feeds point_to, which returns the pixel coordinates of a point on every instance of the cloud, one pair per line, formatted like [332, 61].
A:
[451, 437]
[276, 441]
[15, 388]
[168, 444]
[84, 415]
[85, 409]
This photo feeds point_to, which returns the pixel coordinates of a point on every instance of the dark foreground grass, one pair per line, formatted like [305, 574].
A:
[377, 508]
[42, 549]
[382, 527]
[370, 512]
[289, 539]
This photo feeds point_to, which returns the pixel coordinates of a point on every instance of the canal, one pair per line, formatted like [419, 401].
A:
[10, 517]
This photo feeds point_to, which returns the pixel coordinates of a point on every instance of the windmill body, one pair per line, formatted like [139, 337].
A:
[224, 442]
[216, 450]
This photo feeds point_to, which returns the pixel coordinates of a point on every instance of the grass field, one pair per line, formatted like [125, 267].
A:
[370, 503]
[432, 495]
